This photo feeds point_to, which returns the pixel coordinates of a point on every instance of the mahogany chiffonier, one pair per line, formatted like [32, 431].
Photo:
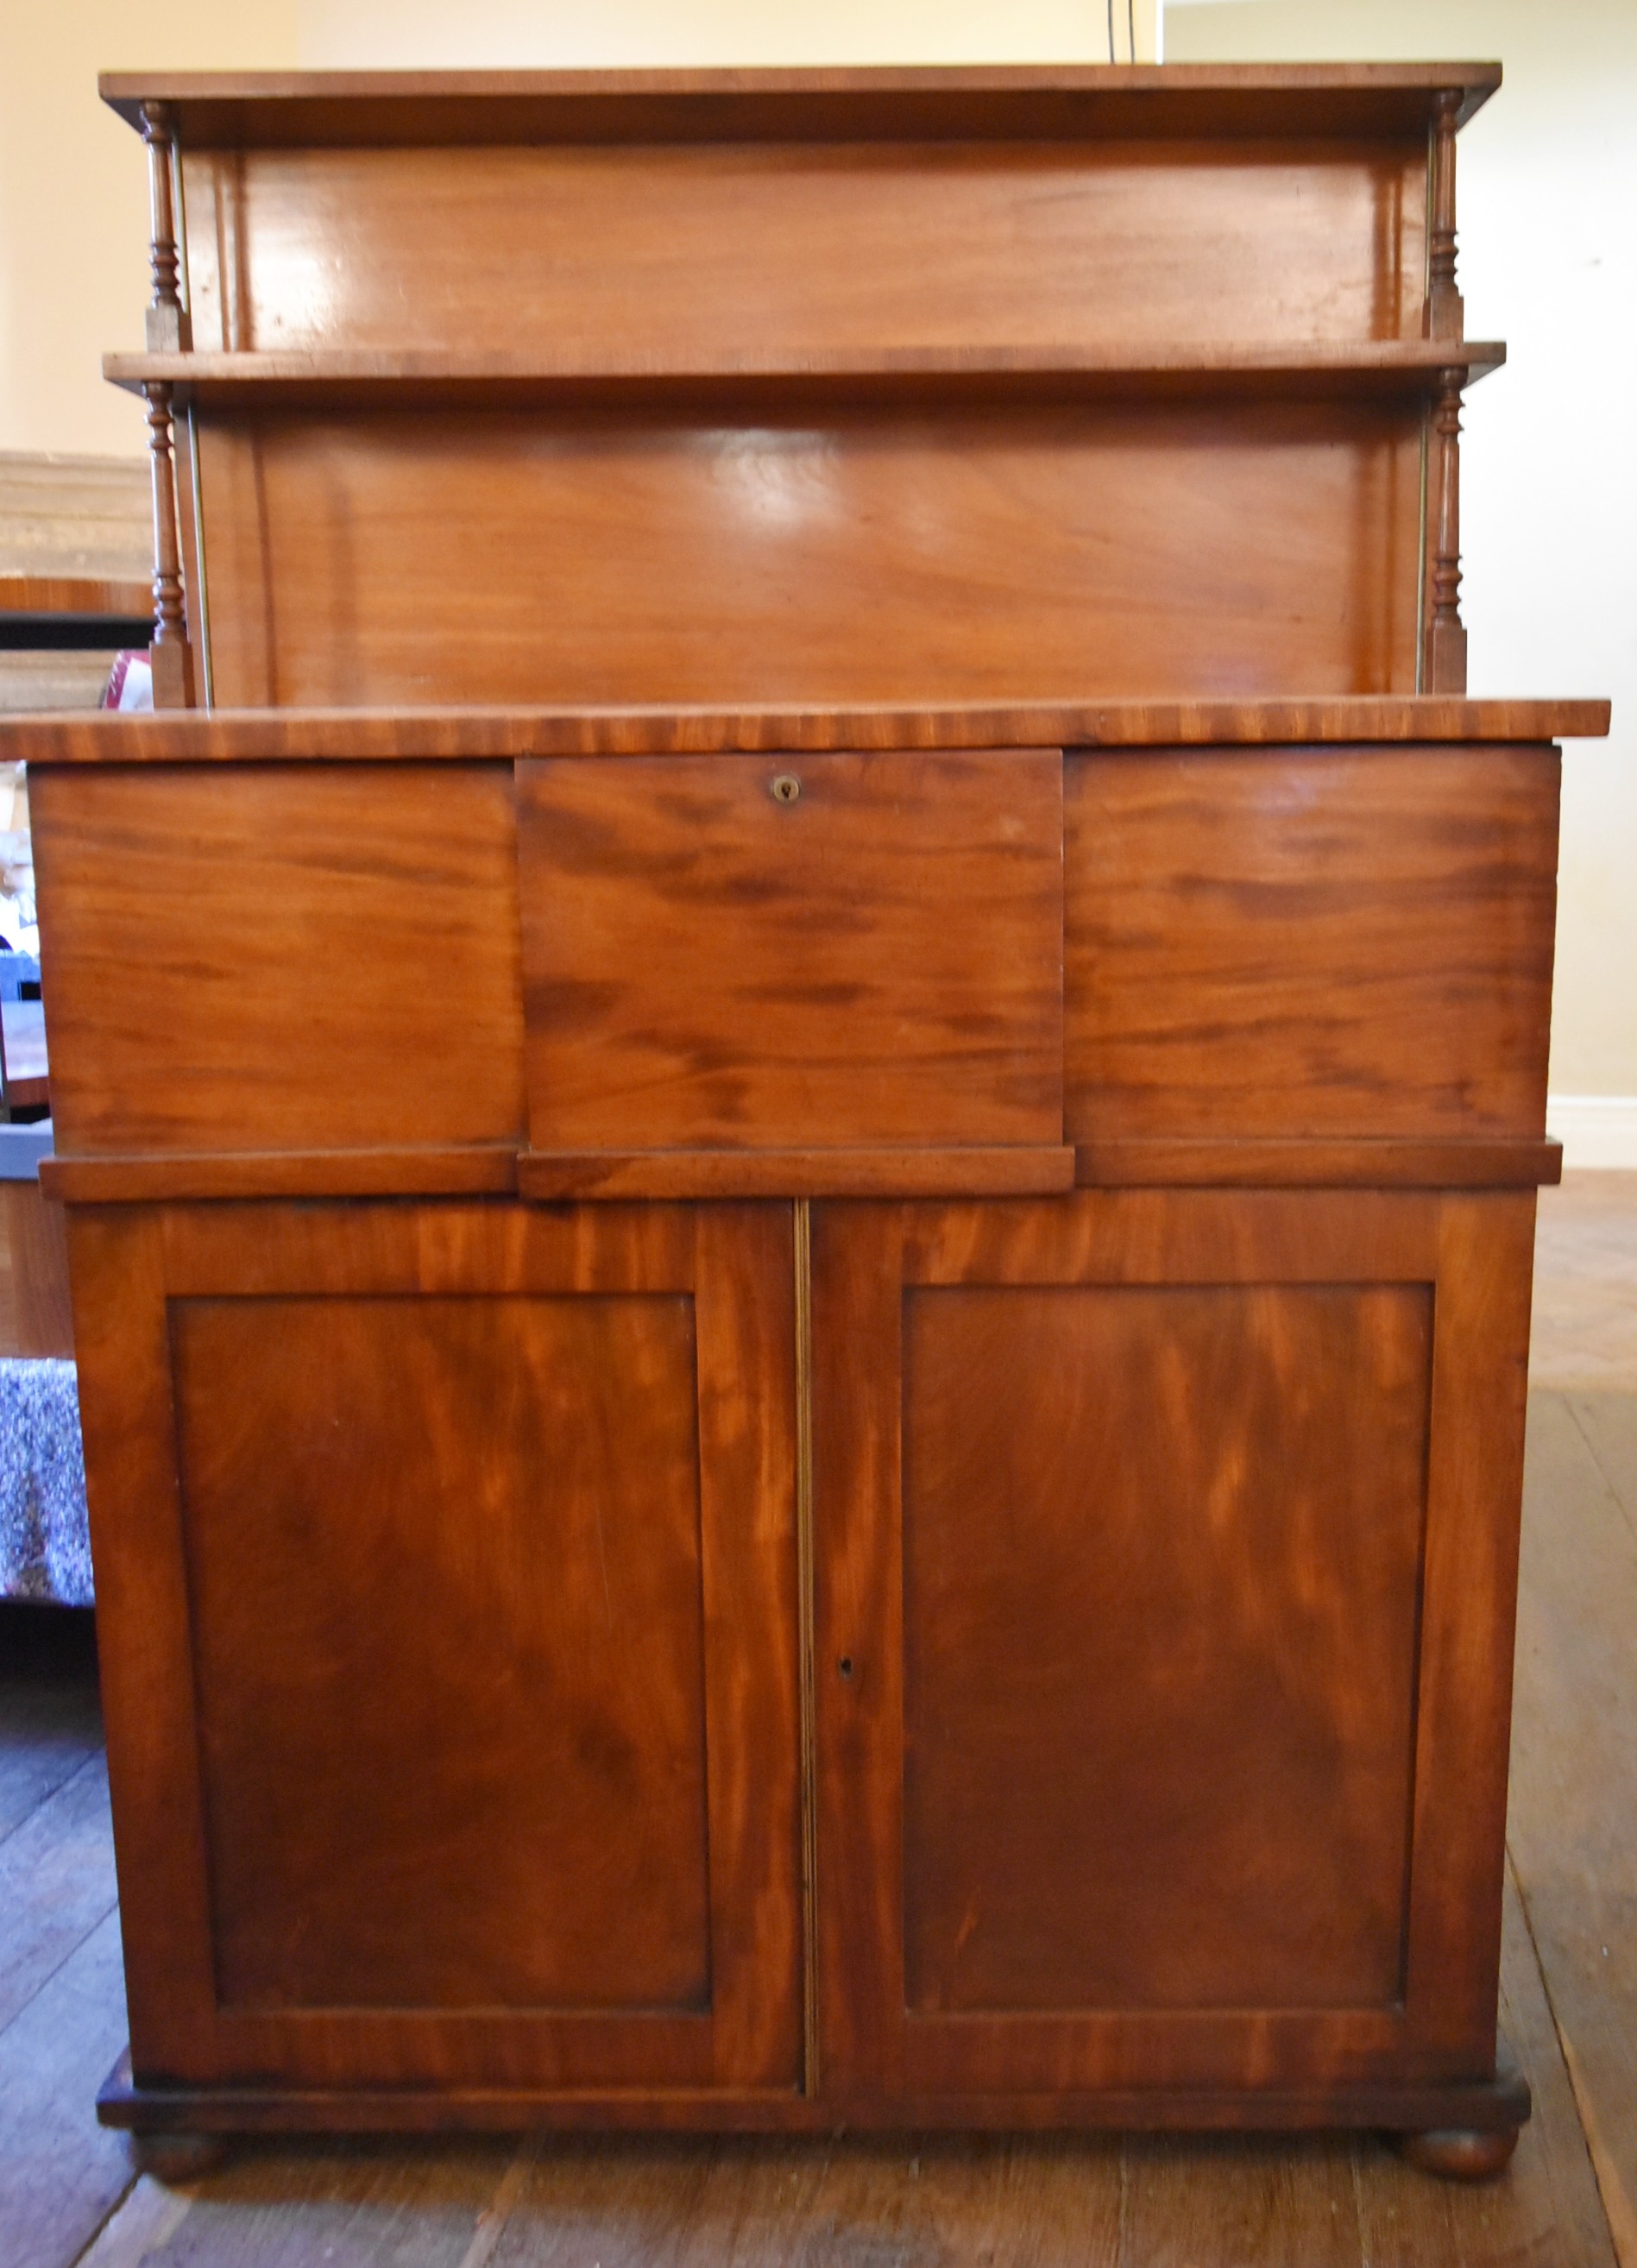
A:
[800, 1091]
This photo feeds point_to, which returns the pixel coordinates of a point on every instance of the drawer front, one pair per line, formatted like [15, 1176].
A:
[1310, 944]
[734, 953]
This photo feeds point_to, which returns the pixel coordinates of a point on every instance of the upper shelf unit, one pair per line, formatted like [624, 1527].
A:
[805, 386]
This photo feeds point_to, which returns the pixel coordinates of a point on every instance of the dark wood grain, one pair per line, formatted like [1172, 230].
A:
[1273, 946]
[875, 961]
[994, 552]
[265, 2107]
[333, 965]
[499, 733]
[529, 1684]
[1159, 1627]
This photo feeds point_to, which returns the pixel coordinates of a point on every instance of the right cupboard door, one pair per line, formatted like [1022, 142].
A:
[1165, 1552]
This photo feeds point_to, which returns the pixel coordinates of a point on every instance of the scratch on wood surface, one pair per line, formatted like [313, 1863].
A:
[492, 2219]
[149, 2216]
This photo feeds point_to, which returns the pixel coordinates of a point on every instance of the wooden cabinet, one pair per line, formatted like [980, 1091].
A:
[984, 1661]
[800, 1089]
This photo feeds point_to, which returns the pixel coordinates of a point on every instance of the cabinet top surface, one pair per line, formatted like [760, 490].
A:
[217, 109]
[365, 735]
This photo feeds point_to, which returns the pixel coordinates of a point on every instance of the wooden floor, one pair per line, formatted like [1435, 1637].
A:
[67, 2191]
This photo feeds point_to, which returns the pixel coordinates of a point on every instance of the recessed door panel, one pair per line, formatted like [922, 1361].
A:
[445, 1566]
[1160, 1547]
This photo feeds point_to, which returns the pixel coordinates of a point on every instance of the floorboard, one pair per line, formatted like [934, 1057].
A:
[1288, 2203]
[356, 2204]
[60, 2174]
[1573, 1825]
[56, 1883]
[49, 1723]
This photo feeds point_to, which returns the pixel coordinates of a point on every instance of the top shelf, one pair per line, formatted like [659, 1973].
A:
[361, 109]
[1363, 366]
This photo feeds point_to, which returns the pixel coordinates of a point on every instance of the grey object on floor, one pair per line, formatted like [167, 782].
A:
[44, 1542]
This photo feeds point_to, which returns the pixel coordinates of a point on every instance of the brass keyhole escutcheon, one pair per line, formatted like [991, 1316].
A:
[784, 787]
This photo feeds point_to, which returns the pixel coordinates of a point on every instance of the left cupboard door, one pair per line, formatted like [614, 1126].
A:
[446, 1569]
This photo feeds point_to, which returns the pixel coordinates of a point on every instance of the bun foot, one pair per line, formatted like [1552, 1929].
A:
[172, 2158]
[1460, 2153]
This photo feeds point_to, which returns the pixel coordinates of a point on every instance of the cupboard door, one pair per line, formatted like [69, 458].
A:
[1165, 1548]
[454, 1546]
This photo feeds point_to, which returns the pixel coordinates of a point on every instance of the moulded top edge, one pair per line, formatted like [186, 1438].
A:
[226, 109]
[379, 735]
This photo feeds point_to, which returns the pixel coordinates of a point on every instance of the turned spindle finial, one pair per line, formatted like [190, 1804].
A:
[166, 319]
[1446, 316]
[171, 654]
[1446, 633]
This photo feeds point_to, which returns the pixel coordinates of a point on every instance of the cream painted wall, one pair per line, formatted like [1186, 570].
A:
[408, 34]
[74, 198]
[1547, 194]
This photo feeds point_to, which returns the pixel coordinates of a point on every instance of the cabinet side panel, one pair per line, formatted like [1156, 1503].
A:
[303, 956]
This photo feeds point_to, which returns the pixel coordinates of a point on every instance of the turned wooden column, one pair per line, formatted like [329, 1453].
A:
[170, 653]
[168, 327]
[1446, 316]
[1445, 655]
[167, 333]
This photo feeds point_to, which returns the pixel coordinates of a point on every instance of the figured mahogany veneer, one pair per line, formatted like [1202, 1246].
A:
[800, 1152]
[645, 975]
[860, 952]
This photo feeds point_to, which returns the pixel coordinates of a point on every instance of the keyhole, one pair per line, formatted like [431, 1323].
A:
[845, 1664]
[786, 787]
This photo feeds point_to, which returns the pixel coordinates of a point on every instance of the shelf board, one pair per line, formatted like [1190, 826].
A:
[363, 109]
[1347, 366]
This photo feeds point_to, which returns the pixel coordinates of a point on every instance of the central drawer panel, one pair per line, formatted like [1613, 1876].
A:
[734, 953]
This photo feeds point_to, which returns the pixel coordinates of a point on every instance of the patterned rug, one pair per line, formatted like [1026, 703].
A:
[45, 1545]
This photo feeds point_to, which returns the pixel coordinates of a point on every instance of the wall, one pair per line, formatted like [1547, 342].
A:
[74, 198]
[425, 34]
[73, 194]
[1547, 197]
